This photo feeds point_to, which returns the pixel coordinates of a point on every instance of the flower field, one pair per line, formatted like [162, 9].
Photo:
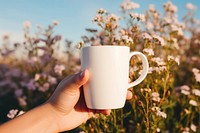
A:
[168, 100]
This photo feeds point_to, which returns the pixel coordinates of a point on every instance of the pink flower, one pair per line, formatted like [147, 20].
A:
[18, 92]
[27, 24]
[44, 88]
[55, 22]
[128, 5]
[190, 6]
[31, 85]
[160, 39]
[52, 80]
[37, 77]
[169, 7]
[22, 101]
[59, 69]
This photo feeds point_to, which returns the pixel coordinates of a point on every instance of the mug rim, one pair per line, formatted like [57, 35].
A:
[106, 46]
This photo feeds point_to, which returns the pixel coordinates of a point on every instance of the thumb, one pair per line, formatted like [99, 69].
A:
[74, 82]
[67, 93]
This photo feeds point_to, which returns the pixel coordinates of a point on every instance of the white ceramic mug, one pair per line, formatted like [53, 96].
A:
[109, 74]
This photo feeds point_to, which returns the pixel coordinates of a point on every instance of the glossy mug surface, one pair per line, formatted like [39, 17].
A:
[109, 73]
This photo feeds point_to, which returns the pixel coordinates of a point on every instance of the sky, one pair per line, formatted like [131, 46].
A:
[74, 16]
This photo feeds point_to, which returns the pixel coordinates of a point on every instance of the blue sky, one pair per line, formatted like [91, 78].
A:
[74, 15]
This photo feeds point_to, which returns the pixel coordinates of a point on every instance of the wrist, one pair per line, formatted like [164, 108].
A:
[51, 117]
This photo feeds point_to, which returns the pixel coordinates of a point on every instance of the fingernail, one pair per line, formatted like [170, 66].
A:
[82, 74]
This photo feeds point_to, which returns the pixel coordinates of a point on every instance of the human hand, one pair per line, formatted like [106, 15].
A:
[68, 105]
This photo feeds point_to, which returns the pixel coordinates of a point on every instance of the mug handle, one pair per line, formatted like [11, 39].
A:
[145, 70]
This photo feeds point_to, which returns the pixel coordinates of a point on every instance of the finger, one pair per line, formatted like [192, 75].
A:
[104, 112]
[129, 95]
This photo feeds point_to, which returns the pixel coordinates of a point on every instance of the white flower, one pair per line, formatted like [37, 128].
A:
[176, 59]
[190, 6]
[159, 61]
[196, 92]
[149, 51]
[146, 36]
[152, 8]
[149, 25]
[196, 73]
[177, 29]
[97, 18]
[193, 127]
[193, 103]
[101, 11]
[181, 25]
[20, 112]
[112, 17]
[59, 69]
[157, 129]
[159, 113]
[12, 113]
[159, 69]
[168, 20]
[27, 24]
[186, 130]
[150, 70]
[160, 39]
[145, 90]
[117, 37]
[155, 109]
[128, 5]
[138, 16]
[195, 70]
[123, 38]
[155, 96]
[122, 31]
[127, 39]
[185, 90]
